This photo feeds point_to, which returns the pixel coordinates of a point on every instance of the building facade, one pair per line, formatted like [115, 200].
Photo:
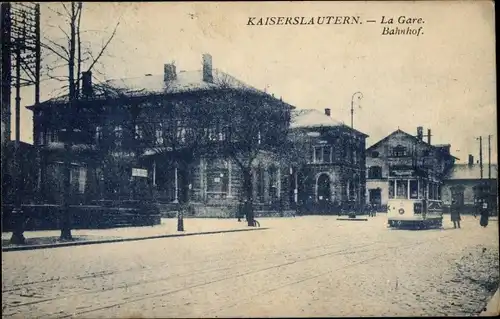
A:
[331, 175]
[174, 138]
[462, 181]
[404, 156]
[190, 137]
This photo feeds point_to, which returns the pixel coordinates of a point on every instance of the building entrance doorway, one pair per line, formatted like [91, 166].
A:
[324, 188]
[376, 197]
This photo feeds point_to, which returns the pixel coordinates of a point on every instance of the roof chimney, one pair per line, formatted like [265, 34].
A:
[169, 72]
[429, 136]
[471, 159]
[420, 133]
[87, 83]
[327, 112]
[207, 68]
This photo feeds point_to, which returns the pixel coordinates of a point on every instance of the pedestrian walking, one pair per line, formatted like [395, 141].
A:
[484, 214]
[455, 214]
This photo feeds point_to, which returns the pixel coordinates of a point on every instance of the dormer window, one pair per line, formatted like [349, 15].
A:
[399, 151]
[375, 154]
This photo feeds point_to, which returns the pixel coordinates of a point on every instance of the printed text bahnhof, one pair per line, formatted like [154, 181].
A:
[304, 20]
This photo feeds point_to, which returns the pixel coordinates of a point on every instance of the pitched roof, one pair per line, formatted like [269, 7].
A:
[471, 172]
[302, 118]
[186, 81]
[312, 118]
[443, 148]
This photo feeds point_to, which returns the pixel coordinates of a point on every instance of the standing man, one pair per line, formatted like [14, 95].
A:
[455, 214]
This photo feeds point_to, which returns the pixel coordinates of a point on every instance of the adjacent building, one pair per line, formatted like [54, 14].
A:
[332, 173]
[404, 158]
[461, 184]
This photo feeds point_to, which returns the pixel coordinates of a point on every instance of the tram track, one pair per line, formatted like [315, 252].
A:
[254, 272]
[297, 256]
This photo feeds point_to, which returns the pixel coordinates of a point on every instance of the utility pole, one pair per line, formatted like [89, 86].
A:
[22, 31]
[17, 214]
[481, 155]
[489, 157]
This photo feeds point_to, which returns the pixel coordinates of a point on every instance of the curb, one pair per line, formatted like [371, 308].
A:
[493, 306]
[356, 219]
[119, 240]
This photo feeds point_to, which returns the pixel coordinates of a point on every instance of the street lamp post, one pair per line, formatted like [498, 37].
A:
[360, 96]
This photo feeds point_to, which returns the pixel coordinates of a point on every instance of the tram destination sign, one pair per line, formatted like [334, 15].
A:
[402, 173]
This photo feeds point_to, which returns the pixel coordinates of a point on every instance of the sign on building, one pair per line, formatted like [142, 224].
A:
[139, 172]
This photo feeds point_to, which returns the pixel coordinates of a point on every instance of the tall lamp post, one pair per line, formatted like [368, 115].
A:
[359, 96]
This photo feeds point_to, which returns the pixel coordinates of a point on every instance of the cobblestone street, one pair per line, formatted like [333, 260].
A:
[303, 266]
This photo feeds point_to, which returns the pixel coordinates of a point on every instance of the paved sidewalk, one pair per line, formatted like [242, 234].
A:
[167, 228]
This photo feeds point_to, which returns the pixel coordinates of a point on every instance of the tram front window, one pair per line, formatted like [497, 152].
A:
[414, 189]
[402, 189]
[391, 189]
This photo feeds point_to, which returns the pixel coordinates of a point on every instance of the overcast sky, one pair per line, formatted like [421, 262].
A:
[444, 79]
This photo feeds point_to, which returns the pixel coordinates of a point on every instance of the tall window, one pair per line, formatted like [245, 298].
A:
[118, 135]
[159, 134]
[138, 133]
[41, 139]
[273, 182]
[318, 154]
[352, 190]
[52, 137]
[218, 178]
[327, 154]
[375, 172]
[260, 183]
[98, 134]
[322, 154]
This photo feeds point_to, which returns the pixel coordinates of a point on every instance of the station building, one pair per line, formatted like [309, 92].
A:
[399, 162]
[130, 140]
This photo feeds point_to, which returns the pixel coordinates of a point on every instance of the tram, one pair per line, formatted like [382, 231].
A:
[414, 202]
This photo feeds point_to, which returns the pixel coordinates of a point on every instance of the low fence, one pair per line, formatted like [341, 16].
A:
[106, 215]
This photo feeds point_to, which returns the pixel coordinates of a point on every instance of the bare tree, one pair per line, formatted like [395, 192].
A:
[228, 120]
[72, 54]
[256, 125]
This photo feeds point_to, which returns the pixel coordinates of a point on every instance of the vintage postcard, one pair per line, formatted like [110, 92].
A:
[249, 159]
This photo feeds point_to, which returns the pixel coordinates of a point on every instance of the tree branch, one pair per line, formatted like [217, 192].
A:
[51, 49]
[104, 47]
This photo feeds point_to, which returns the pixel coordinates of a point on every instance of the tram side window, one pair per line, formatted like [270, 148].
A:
[413, 189]
[431, 191]
[391, 189]
[402, 190]
[439, 192]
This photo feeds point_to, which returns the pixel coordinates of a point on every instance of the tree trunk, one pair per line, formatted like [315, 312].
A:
[66, 219]
[65, 224]
[248, 191]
